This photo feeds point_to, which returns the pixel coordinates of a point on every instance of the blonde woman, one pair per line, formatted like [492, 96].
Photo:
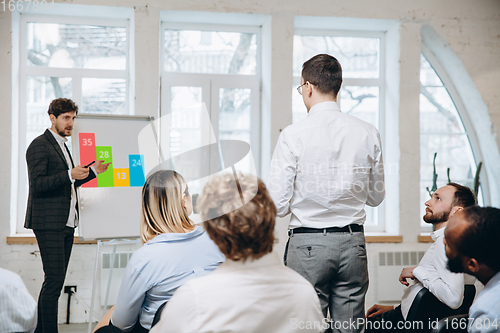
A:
[174, 251]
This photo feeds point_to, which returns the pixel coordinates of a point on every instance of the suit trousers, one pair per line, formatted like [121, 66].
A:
[335, 264]
[55, 249]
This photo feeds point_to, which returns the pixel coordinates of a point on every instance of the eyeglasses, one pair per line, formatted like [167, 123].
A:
[299, 88]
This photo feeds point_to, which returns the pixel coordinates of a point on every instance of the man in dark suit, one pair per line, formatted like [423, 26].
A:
[52, 210]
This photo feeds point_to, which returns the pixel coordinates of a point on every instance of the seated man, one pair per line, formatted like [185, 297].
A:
[252, 291]
[472, 242]
[17, 306]
[431, 273]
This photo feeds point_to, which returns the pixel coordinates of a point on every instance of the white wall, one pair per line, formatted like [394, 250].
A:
[472, 29]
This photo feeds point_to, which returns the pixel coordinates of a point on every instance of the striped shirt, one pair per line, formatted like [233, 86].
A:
[17, 306]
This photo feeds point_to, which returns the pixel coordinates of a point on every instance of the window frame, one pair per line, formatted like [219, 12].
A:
[76, 75]
[212, 83]
[361, 82]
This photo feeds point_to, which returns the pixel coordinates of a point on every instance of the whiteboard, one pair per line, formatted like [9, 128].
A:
[114, 211]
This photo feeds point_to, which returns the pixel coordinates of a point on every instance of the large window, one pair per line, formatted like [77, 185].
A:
[210, 92]
[441, 132]
[82, 59]
[362, 58]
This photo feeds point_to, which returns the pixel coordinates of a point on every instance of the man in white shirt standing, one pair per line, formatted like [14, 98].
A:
[324, 170]
[431, 272]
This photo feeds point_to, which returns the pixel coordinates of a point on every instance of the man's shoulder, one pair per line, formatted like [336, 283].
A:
[40, 140]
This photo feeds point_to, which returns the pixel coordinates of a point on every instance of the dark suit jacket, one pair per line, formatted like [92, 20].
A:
[49, 184]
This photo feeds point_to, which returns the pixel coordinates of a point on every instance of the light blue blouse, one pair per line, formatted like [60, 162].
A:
[157, 269]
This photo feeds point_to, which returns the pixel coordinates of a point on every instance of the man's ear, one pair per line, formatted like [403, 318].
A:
[472, 265]
[52, 118]
[454, 210]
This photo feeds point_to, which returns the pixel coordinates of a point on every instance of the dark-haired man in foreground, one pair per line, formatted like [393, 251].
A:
[472, 241]
[324, 170]
[431, 272]
[52, 210]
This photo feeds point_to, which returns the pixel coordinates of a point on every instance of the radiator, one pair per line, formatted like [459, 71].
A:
[390, 265]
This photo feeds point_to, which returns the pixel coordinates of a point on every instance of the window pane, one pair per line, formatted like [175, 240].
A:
[185, 133]
[104, 96]
[41, 90]
[361, 102]
[359, 56]
[441, 132]
[76, 46]
[212, 52]
[235, 109]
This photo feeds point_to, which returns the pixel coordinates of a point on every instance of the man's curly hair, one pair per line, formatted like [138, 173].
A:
[62, 105]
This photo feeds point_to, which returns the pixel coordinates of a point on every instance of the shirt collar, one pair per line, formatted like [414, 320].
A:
[270, 259]
[437, 234]
[174, 237]
[61, 140]
[324, 106]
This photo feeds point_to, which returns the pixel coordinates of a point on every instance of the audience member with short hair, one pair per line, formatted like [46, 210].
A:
[431, 272]
[252, 291]
[174, 251]
[472, 241]
[17, 306]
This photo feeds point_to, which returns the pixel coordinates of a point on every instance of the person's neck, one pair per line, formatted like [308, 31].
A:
[485, 274]
[53, 129]
[321, 99]
[440, 225]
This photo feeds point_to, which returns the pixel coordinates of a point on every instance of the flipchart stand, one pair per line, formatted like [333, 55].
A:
[100, 243]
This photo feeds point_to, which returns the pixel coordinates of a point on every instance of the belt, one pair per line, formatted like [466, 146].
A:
[347, 228]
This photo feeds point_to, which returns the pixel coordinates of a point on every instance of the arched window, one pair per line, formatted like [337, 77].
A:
[442, 131]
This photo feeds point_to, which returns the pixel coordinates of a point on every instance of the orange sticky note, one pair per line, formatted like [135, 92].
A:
[122, 177]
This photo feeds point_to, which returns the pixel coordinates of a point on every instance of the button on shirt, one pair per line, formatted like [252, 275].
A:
[486, 308]
[157, 269]
[325, 168]
[253, 296]
[73, 217]
[431, 273]
[17, 307]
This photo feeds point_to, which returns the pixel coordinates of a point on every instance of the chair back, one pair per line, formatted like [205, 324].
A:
[427, 308]
[157, 317]
[469, 295]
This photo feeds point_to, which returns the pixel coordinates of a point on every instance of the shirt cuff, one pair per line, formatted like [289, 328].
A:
[93, 170]
[420, 273]
[71, 179]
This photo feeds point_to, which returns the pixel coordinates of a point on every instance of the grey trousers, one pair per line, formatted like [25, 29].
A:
[336, 265]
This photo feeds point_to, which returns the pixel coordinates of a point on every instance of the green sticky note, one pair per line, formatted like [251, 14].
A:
[105, 179]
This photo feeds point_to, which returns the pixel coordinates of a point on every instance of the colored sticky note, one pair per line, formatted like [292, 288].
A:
[86, 143]
[136, 166]
[105, 179]
[121, 177]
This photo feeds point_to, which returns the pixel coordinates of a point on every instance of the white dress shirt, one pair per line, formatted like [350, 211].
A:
[325, 168]
[432, 274]
[255, 296]
[17, 307]
[486, 308]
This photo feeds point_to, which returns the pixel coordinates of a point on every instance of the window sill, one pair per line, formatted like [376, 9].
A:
[17, 240]
[425, 239]
[383, 239]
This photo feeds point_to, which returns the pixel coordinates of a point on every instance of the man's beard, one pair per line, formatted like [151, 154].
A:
[61, 131]
[454, 265]
[437, 217]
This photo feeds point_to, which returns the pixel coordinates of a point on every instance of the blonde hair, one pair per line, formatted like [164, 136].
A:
[245, 231]
[162, 207]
